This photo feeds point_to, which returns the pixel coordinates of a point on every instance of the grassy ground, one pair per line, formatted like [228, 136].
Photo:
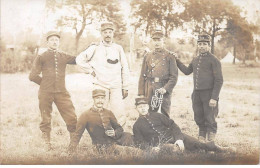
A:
[238, 122]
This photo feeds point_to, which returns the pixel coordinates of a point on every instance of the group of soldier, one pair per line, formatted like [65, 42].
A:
[105, 120]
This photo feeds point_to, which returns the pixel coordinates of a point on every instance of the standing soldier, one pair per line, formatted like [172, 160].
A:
[208, 80]
[159, 72]
[107, 63]
[52, 65]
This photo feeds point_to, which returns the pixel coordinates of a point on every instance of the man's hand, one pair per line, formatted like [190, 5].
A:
[212, 103]
[110, 133]
[162, 90]
[124, 93]
[93, 74]
[180, 144]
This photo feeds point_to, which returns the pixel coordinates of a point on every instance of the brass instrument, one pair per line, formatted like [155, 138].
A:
[157, 100]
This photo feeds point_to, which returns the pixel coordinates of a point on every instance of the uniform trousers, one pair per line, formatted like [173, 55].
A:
[114, 102]
[64, 105]
[204, 115]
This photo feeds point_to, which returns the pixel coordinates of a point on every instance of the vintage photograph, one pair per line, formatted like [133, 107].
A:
[130, 82]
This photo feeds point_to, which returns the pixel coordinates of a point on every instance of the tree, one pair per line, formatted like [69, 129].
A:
[209, 16]
[239, 35]
[151, 14]
[82, 13]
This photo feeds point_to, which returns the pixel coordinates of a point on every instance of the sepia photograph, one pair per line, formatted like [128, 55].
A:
[130, 82]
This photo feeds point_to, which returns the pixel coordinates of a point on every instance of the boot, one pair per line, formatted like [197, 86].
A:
[225, 149]
[202, 136]
[211, 136]
[47, 139]
[202, 139]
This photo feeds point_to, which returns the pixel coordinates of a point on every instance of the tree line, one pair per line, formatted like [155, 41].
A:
[220, 19]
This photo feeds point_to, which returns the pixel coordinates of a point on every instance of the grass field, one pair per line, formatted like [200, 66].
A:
[238, 122]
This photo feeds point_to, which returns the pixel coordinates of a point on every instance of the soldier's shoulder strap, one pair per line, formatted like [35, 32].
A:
[92, 44]
[171, 53]
[147, 54]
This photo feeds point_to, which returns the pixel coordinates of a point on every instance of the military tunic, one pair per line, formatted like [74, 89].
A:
[155, 129]
[208, 80]
[159, 70]
[52, 65]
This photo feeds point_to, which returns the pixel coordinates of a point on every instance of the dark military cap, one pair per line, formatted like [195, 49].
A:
[107, 25]
[157, 34]
[203, 38]
[141, 100]
[98, 92]
[52, 33]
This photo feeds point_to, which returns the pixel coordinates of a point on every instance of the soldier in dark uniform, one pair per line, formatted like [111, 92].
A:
[158, 131]
[159, 72]
[52, 65]
[208, 80]
[101, 125]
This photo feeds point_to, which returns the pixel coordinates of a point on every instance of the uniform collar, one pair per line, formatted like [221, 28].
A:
[204, 54]
[158, 50]
[52, 50]
[95, 109]
[106, 45]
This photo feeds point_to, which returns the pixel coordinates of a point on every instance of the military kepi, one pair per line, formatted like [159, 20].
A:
[141, 100]
[157, 34]
[98, 92]
[107, 25]
[203, 38]
[52, 33]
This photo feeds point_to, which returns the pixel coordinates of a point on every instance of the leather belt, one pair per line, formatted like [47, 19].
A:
[157, 79]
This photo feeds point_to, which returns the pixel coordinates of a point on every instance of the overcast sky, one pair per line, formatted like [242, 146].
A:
[19, 15]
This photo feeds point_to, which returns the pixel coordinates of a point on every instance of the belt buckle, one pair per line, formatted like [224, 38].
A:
[156, 79]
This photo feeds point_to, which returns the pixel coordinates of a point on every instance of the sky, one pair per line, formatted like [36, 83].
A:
[19, 15]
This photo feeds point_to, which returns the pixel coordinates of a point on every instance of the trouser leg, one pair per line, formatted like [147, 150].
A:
[66, 109]
[117, 105]
[125, 140]
[166, 104]
[45, 105]
[198, 112]
[192, 143]
[210, 114]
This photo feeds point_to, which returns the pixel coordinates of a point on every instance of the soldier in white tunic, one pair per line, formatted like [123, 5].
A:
[107, 63]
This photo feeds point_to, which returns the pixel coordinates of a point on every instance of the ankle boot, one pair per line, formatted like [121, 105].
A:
[211, 136]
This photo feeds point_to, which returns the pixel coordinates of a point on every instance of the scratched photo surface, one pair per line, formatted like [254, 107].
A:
[233, 28]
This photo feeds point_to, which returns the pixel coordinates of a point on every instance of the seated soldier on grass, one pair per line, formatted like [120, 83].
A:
[101, 125]
[154, 130]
